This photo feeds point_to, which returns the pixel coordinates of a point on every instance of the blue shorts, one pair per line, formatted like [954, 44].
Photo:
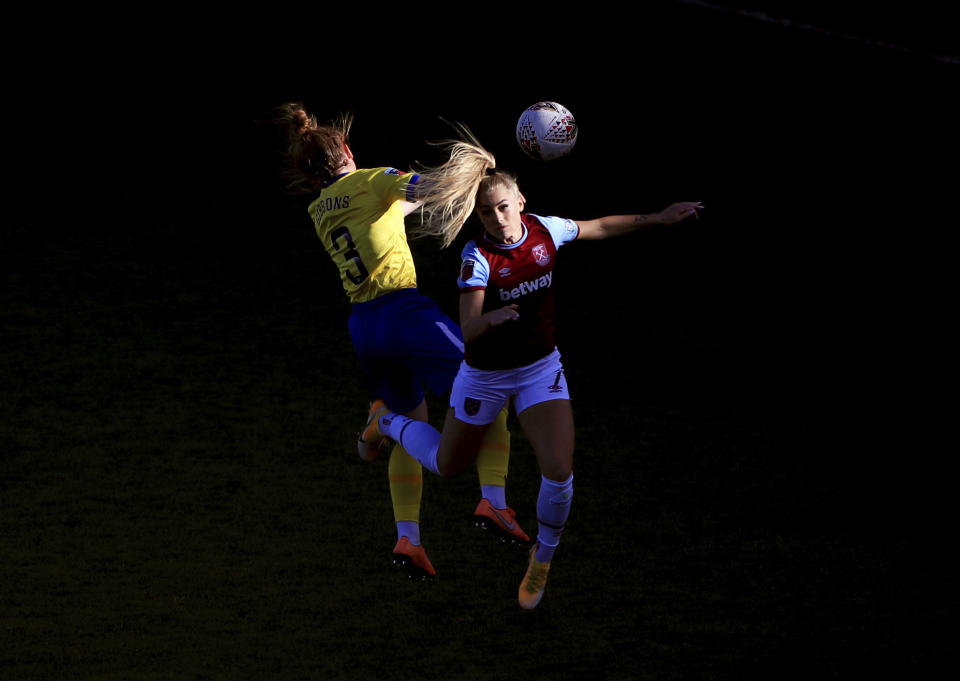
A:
[405, 343]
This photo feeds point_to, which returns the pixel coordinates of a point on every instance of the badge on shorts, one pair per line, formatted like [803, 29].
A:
[471, 406]
[556, 387]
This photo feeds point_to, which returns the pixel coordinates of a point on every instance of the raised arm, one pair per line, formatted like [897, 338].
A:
[615, 225]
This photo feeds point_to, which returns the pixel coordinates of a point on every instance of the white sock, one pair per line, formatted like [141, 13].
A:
[420, 439]
[553, 508]
[409, 529]
[495, 494]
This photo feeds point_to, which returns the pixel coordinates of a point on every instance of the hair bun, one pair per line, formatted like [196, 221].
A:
[301, 121]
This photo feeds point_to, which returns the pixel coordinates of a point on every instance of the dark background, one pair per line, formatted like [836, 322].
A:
[769, 381]
[820, 140]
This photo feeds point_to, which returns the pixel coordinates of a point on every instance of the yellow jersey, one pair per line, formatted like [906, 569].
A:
[359, 220]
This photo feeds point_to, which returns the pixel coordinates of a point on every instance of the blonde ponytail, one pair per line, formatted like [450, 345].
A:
[448, 192]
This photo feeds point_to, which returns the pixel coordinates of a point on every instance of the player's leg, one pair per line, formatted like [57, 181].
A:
[406, 491]
[476, 400]
[445, 453]
[378, 331]
[545, 414]
[492, 513]
[406, 488]
[436, 359]
[549, 427]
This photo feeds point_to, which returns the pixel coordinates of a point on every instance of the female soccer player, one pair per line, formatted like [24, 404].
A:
[402, 338]
[507, 318]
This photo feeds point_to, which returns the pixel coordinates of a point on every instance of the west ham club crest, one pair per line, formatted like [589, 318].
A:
[540, 255]
[471, 406]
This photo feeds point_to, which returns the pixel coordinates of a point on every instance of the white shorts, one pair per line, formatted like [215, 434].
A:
[478, 395]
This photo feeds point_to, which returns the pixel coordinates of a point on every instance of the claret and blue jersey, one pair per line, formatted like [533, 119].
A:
[520, 273]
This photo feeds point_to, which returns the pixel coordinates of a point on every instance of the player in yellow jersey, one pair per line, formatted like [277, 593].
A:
[403, 340]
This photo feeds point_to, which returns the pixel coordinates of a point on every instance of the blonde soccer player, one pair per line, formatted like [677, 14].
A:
[507, 317]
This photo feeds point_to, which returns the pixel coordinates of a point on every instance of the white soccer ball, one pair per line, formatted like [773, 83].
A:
[546, 131]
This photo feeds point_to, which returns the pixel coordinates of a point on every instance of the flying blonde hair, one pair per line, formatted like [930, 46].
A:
[448, 192]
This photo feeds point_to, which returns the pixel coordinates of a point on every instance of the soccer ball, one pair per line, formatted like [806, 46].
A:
[546, 131]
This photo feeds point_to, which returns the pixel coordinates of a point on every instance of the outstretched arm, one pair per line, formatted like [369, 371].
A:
[615, 225]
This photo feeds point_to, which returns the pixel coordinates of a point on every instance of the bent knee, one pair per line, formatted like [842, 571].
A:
[557, 472]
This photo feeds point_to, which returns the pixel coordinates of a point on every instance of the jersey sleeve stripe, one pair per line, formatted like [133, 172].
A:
[412, 188]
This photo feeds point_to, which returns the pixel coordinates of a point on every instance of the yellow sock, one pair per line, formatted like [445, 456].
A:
[406, 485]
[494, 456]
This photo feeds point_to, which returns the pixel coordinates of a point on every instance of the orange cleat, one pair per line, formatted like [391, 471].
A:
[412, 560]
[370, 441]
[501, 521]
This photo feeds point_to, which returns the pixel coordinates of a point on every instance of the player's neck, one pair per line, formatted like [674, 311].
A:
[507, 238]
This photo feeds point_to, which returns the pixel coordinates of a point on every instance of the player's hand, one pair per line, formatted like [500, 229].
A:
[680, 211]
[507, 313]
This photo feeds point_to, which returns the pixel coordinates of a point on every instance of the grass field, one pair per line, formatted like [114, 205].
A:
[181, 498]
